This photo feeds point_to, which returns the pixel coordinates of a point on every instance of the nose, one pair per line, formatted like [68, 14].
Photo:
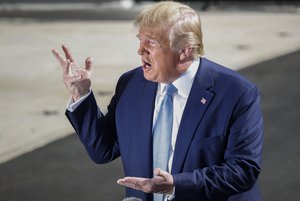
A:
[142, 49]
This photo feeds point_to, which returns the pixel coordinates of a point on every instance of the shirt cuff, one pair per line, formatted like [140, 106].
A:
[71, 106]
[172, 196]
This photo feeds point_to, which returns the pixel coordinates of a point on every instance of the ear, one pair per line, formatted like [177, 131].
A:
[185, 53]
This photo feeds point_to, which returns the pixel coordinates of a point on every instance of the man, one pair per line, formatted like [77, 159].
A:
[187, 129]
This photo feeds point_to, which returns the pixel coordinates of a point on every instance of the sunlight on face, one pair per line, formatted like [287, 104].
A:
[159, 61]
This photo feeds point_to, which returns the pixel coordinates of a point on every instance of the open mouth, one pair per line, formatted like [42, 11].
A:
[146, 65]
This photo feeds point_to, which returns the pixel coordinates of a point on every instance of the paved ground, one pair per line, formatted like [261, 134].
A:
[32, 110]
[278, 80]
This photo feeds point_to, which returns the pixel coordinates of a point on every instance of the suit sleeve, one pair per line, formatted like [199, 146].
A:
[96, 131]
[242, 157]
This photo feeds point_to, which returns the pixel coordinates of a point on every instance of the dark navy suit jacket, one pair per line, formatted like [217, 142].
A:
[219, 144]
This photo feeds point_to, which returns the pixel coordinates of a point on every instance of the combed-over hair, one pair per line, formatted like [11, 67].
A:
[181, 22]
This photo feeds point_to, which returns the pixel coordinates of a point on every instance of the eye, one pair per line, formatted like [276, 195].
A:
[153, 43]
[147, 41]
[141, 40]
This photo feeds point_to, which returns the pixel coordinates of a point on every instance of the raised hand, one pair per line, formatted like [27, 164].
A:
[76, 79]
[162, 183]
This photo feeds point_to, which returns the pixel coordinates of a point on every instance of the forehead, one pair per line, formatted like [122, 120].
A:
[158, 34]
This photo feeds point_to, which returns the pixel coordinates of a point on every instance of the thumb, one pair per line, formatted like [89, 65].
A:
[160, 172]
[167, 177]
[157, 171]
[88, 63]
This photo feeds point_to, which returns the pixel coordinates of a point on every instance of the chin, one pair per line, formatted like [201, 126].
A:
[149, 77]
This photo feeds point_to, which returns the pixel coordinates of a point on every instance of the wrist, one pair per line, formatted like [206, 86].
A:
[78, 96]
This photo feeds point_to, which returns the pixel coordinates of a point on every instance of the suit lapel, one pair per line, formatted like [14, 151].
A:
[144, 123]
[148, 93]
[197, 103]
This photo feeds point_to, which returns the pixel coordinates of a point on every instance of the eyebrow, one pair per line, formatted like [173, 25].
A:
[147, 37]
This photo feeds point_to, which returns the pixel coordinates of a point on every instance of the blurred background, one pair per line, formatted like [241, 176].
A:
[40, 156]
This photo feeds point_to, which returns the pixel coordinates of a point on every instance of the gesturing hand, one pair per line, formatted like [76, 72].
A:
[162, 182]
[76, 79]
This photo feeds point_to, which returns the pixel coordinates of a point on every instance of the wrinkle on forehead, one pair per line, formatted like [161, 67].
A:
[157, 33]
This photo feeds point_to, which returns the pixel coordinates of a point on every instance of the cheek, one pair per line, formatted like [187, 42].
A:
[162, 62]
[159, 59]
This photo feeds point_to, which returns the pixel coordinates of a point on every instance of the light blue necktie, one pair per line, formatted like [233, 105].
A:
[162, 133]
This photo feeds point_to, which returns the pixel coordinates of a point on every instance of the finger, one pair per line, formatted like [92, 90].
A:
[138, 183]
[132, 179]
[120, 181]
[165, 176]
[66, 68]
[157, 171]
[88, 63]
[123, 182]
[161, 173]
[133, 182]
[59, 57]
[67, 53]
[74, 68]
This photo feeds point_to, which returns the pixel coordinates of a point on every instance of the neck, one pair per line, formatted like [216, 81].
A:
[182, 67]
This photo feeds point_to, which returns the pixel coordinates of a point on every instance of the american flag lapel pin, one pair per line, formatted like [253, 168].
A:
[203, 101]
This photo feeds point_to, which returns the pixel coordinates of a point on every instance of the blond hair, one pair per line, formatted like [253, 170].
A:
[181, 22]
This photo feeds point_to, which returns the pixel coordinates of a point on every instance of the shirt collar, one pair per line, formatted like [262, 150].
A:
[184, 82]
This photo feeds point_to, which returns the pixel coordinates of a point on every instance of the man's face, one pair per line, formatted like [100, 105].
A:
[159, 61]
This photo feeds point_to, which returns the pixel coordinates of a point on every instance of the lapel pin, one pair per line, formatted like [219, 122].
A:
[203, 101]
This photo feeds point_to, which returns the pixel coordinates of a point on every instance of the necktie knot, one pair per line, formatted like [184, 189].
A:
[170, 89]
